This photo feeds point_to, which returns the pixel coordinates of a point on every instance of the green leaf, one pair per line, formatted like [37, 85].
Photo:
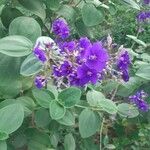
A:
[53, 89]
[68, 119]
[144, 72]
[128, 87]
[54, 139]
[69, 142]
[57, 111]
[108, 106]
[27, 103]
[67, 12]
[53, 4]
[15, 46]
[43, 97]
[19, 140]
[37, 140]
[145, 57]
[11, 118]
[3, 136]
[8, 15]
[36, 7]
[137, 40]
[94, 97]
[91, 16]
[30, 66]
[127, 110]
[7, 102]
[112, 9]
[132, 4]
[89, 123]
[69, 97]
[9, 76]
[3, 145]
[20, 26]
[42, 118]
[81, 28]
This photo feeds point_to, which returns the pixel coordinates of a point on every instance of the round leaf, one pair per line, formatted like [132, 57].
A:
[67, 12]
[11, 118]
[68, 119]
[31, 66]
[57, 111]
[91, 16]
[53, 4]
[69, 97]
[9, 14]
[38, 140]
[127, 110]
[43, 97]
[144, 72]
[69, 142]
[15, 46]
[9, 76]
[25, 26]
[36, 7]
[94, 97]
[89, 122]
[42, 118]
[108, 106]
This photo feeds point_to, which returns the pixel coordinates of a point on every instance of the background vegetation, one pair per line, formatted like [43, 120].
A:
[25, 122]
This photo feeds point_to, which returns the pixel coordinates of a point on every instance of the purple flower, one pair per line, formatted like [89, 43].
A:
[39, 81]
[74, 80]
[123, 63]
[96, 56]
[60, 28]
[125, 75]
[139, 100]
[86, 75]
[84, 42]
[66, 68]
[146, 2]
[143, 16]
[39, 53]
[67, 46]
[57, 71]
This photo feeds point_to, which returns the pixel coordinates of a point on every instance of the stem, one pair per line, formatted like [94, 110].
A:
[114, 94]
[80, 106]
[47, 30]
[100, 134]
[78, 3]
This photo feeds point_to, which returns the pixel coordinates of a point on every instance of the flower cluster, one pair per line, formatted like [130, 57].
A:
[139, 100]
[143, 16]
[40, 81]
[84, 62]
[40, 53]
[76, 62]
[123, 65]
[60, 28]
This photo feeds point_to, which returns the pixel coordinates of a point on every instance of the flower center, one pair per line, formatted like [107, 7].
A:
[89, 73]
[93, 57]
